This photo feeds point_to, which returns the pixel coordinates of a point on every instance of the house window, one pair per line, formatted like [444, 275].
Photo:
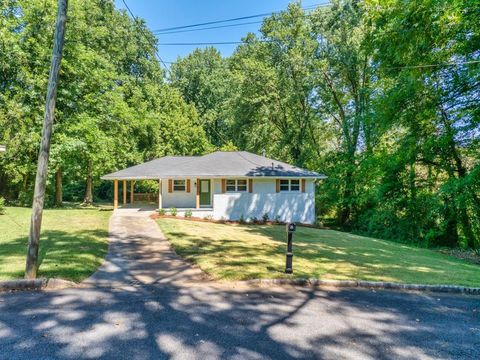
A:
[290, 185]
[239, 185]
[179, 185]
[294, 185]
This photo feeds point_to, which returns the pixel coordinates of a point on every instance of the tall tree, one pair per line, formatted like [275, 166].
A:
[343, 92]
[203, 79]
[272, 104]
[436, 106]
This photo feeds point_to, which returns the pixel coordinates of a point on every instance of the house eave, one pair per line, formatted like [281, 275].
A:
[205, 176]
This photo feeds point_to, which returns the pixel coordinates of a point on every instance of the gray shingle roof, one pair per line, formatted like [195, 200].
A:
[217, 164]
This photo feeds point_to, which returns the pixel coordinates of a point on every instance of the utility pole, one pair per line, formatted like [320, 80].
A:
[42, 167]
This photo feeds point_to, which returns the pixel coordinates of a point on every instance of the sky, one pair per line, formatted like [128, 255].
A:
[161, 14]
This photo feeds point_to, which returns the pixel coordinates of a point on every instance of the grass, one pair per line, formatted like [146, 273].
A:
[236, 252]
[73, 242]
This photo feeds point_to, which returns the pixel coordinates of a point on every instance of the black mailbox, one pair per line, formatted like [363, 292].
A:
[291, 227]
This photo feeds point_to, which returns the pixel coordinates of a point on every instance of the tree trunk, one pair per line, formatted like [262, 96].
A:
[42, 167]
[59, 187]
[348, 192]
[461, 173]
[88, 199]
[451, 231]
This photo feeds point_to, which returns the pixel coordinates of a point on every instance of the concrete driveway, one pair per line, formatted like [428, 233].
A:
[146, 303]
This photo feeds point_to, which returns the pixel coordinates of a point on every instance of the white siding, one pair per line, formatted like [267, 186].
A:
[178, 199]
[288, 206]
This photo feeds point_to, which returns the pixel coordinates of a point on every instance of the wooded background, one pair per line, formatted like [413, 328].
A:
[382, 96]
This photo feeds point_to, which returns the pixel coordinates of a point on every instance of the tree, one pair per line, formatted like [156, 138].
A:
[436, 106]
[272, 104]
[203, 79]
[343, 96]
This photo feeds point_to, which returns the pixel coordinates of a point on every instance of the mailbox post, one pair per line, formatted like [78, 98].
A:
[291, 227]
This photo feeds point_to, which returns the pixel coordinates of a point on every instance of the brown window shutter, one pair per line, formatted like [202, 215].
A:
[250, 185]
[277, 185]
[170, 185]
[188, 185]
[224, 185]
[303, 185]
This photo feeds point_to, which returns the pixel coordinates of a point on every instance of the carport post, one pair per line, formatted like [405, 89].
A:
[115, 194]
[132, 183]
[159, 193]
[124, 192]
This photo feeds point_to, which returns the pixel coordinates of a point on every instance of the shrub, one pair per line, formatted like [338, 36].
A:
[265, 217]
[254, 220]
[188, 213]
[277, 219]
[173, 211]
[162, 212]
[241, 220]
[2, 206]
[208, 217]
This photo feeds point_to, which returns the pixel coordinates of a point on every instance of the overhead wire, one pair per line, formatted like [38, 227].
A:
[208, 43]
[208, 28]
[146, 36]
[434, 65]
[233, 19]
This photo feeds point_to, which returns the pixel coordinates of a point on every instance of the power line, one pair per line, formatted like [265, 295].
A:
[146, 36]
[233, 19]
[208, 28]
[215, 27]
[412, 66]
[207, 43]
[434, 65]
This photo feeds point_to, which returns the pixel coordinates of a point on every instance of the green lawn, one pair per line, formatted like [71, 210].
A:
[236, 252]
[72, 245]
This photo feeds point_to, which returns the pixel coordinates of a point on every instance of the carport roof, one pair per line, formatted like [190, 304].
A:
[216, 165]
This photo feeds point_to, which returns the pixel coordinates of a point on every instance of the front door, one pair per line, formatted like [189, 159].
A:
[205, 193]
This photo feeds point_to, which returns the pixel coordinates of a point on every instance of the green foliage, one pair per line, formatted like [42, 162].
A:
[173, 211]
[162, 212]
[265, 217]
[203, 80]
[242, 220]
[2, 206]
[188, 213]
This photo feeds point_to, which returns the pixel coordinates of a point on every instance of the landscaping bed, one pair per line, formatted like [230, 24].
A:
[241, 252]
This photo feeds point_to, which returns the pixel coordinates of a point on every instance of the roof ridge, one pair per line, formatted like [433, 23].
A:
[250, 161]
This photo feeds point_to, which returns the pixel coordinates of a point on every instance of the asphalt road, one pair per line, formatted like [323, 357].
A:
[146, 303]
[163, 321]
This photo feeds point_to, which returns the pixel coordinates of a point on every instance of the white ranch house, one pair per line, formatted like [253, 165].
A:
[226, 185]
